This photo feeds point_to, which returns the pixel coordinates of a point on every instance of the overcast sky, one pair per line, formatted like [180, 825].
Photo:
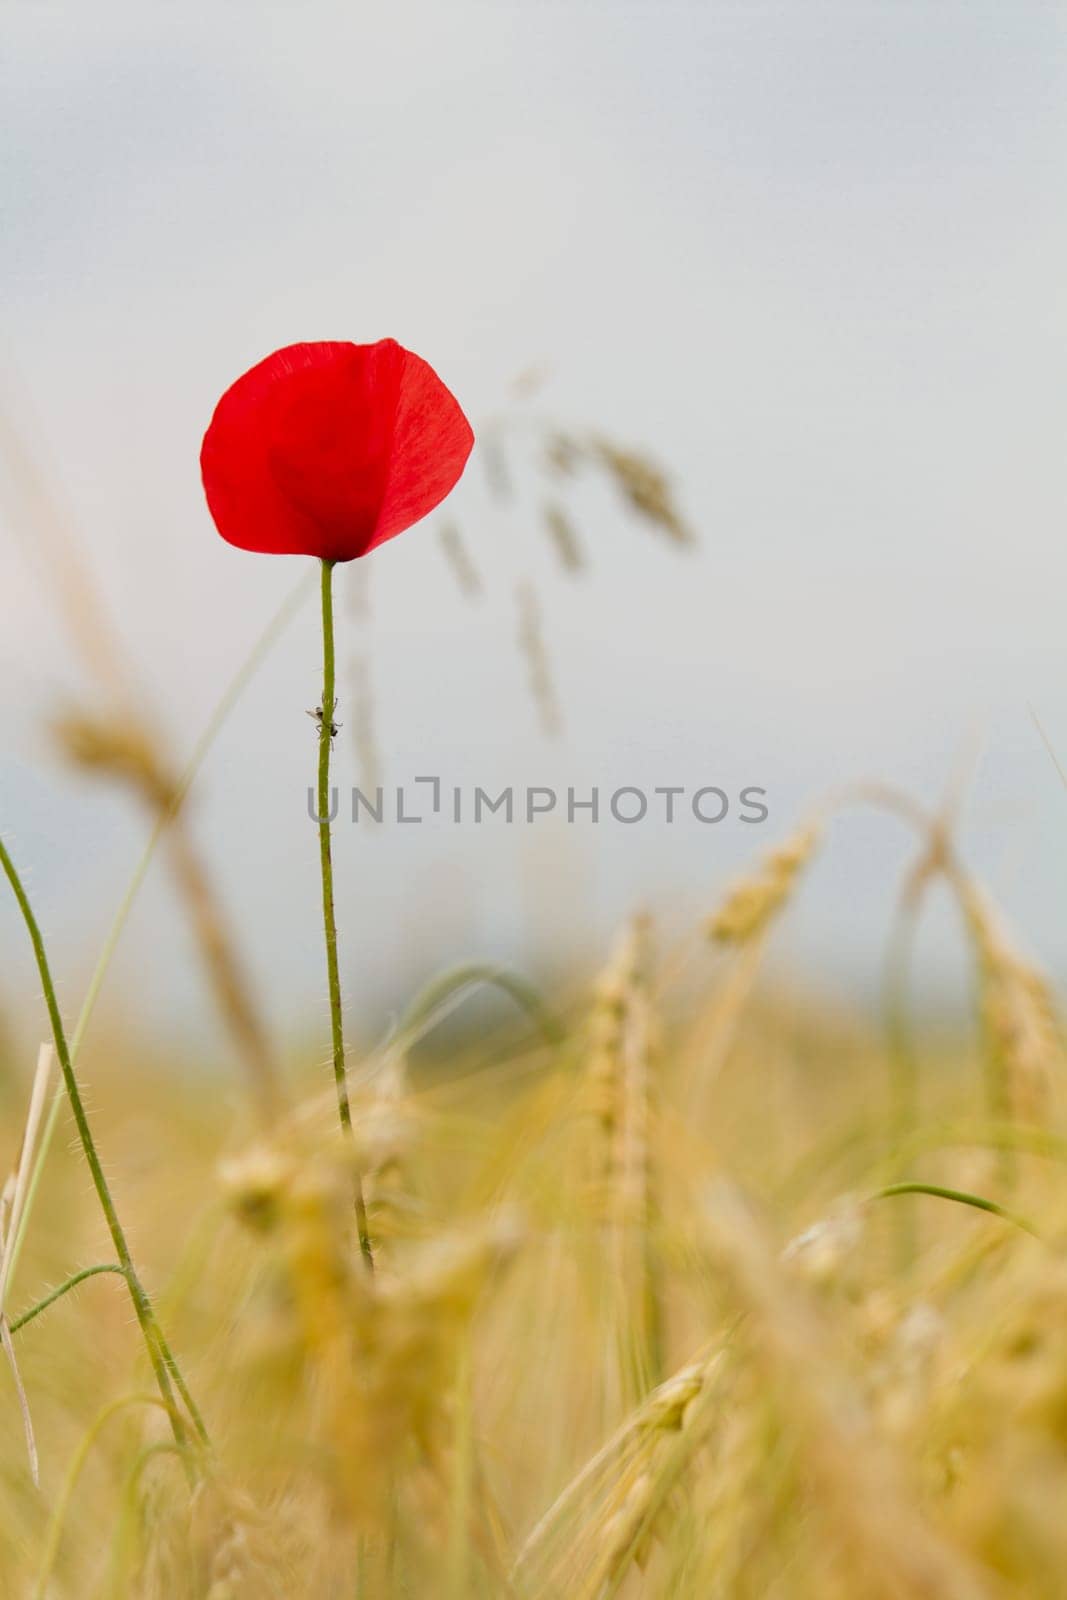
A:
[812, 255]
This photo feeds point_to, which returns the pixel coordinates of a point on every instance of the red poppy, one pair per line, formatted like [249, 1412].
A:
[329, 449]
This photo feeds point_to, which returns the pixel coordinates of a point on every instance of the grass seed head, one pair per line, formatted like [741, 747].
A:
[646, 489]
[119, 747]
[754, 902]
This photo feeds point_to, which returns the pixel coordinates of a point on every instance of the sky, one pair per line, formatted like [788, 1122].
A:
[810, 256]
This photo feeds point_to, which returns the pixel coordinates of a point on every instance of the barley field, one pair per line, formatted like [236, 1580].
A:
[680, 1286]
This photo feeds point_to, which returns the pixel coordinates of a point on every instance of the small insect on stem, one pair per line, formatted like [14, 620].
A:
[316, 717]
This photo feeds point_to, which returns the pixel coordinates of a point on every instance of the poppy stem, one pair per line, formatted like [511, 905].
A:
[163, 1364]
[326, 725]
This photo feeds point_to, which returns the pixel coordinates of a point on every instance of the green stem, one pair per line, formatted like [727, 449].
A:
[218, 718]
[329, 701]
[961, 1197]
[171, 1364]
[64, 1288]
[142, 1306]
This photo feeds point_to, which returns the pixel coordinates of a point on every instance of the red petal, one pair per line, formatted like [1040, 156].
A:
[330, 449]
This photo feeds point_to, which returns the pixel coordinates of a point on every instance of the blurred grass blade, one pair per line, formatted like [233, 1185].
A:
[253, 661]
[961, 1197]
[17, 1185]
[24, 1404]
[12, 1204]
[433, 1002]
[1047, 742]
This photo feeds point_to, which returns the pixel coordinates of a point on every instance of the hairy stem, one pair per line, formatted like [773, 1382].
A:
[329, 700]
[146, 1317]
[64, 1288]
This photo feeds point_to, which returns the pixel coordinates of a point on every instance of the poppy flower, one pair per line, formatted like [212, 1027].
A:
[329, 449]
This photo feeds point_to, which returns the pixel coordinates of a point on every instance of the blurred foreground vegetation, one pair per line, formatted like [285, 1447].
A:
[679, 1290]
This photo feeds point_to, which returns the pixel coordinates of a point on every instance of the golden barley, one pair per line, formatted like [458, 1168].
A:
[754, 901]
[535, 652]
